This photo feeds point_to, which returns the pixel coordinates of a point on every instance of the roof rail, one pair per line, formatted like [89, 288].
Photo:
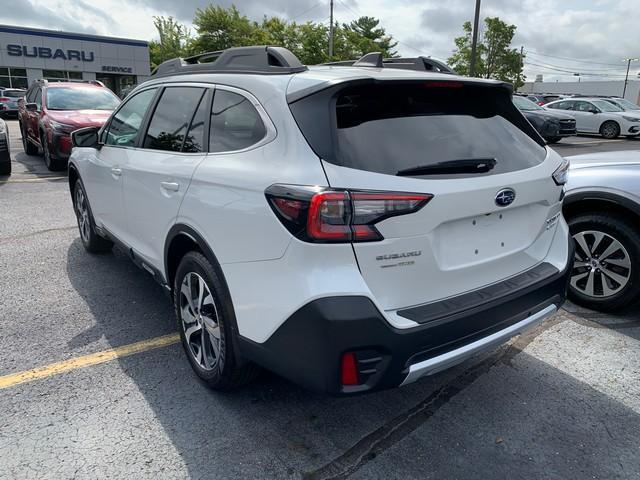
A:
[256, 60]
[374, 59]
[44, 81]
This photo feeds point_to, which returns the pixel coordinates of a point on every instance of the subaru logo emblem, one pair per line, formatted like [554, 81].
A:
[505, 197]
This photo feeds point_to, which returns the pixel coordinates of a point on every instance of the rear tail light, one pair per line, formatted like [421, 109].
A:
[4, 99]
[314, 214]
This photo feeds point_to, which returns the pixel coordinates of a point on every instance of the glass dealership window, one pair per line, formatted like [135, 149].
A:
[61, 75]
[13, 77]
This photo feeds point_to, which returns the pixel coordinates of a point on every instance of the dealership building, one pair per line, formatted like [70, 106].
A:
[29, 54]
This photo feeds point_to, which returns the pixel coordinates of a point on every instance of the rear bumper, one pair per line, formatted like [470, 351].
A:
[308, 347]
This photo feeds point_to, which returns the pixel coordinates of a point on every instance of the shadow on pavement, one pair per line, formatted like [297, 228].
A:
[553, 425]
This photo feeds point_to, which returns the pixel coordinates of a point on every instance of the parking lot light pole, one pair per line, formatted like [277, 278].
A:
[626, 78]
[474, 41]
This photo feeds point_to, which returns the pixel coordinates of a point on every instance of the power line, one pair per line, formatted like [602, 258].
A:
[586, 74]
[306, 11]
[569, 58]
[574, 68]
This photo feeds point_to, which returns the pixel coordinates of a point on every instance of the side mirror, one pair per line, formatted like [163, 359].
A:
[86, 137]
[594, 110]
[31, 107]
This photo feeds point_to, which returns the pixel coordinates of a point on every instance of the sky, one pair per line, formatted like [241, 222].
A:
[560, 37]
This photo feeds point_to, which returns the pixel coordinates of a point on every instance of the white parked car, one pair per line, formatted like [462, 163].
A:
[596, 115]
[349, 227]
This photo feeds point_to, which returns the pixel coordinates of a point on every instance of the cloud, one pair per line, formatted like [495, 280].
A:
[593, 31]
[28, 13]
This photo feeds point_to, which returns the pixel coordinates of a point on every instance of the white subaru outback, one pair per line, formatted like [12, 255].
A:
[351, 228]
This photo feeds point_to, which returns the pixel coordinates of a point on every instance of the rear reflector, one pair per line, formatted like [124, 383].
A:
[348, 370]
[314, 214]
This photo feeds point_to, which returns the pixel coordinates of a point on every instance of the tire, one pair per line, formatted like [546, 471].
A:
[29, 148]
[610, 129]
[92, 242]
[613, 285]
[553, 139]
[5, 168]
[208, 319]
[53, 164]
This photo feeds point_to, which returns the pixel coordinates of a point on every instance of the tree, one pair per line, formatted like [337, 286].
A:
[174, 40]
[494, 57]
[219, 28]
[366, 35]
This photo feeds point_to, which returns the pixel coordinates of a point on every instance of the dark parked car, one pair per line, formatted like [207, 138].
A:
[5, 157]
[552, 126]
[9, 101]
[543, 99]
[50, 111]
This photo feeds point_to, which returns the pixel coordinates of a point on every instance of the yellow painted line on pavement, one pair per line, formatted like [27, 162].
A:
[57, 368]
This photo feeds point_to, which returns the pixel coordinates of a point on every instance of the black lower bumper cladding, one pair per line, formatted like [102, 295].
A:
[309, 345]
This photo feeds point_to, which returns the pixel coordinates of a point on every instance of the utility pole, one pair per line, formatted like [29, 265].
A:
[330, 30]
[474, 42]
[521, 74]
[626, 78]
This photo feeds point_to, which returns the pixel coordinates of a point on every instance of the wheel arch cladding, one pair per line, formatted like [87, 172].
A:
[601, 202]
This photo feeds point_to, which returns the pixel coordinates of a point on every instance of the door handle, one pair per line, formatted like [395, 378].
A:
[116, 172]
[171, 186]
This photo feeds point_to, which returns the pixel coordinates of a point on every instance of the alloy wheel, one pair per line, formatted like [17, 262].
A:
[82, 212]
[602, 266]
[609, 130]
[199, 318]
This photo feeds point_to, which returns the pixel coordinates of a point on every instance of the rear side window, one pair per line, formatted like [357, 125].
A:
[235, 123]
[172, 118]
[391, 127]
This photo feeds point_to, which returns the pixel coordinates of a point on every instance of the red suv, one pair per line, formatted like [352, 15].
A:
[50, 111]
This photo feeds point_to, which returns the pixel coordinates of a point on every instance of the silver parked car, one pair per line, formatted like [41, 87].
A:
[602, 207]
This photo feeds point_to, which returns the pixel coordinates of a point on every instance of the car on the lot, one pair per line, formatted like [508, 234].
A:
[542, 99]
[623, 103]
[5, 153]
[50, 111]
[596, 115]
[602, 207]
[9, 101]
[552, 125]
[350, 228]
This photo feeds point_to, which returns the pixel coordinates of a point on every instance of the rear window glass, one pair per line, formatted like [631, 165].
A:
[13, 93]
[390, 128]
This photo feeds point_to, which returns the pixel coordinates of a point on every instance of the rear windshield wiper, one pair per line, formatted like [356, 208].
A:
[470, 165]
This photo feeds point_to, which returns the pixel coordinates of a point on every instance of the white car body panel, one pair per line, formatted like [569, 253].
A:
[271, 274]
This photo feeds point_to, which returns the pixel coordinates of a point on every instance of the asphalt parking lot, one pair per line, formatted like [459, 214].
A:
[93, 382]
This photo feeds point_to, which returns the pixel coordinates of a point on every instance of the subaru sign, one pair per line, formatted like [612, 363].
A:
[46, 52]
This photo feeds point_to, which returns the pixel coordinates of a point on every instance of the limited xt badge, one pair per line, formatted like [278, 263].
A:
[395, 256]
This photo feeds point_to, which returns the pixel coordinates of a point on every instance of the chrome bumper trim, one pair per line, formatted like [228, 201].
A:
[449, 359]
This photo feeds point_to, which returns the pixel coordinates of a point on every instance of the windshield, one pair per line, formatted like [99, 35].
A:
[525, 104]
[61, 98]
[606, 106]
[626, 104]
